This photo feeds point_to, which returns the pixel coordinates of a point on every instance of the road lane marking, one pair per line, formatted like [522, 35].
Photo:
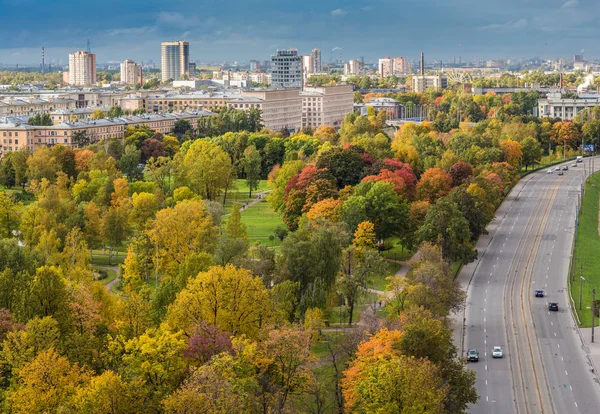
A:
[571, 388]
[562, 359]
[486, 398]
[566, 373]
[552, 323]
[575, 404]
[558, 345]
[487, 369]
[485, 382]
[554, 333]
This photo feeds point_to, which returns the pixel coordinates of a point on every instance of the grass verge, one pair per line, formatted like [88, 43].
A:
[587, 247]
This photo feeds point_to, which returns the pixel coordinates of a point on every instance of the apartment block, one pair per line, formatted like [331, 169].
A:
[82, 68]
[422, 83]
[286, 69]
[129, 72]
[174, 60]
[280, 108]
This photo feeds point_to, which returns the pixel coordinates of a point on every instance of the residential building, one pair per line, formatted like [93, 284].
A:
[353, 67]
[308, 64]
[261, 78]
[16, 134]
[129, 72]
[316, 58]
[175, 60]
[286, 69]
[555, 106]
[82, 68]
[392, 108]
[422, 83]
[254, 66]
[192, 68]
[386, 67]
[401, 66]
[327, 105]
[31, 105]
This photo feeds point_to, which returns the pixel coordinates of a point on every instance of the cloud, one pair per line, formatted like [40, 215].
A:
[518, 24]
[171, 18]
[570, 4]
[339, 12]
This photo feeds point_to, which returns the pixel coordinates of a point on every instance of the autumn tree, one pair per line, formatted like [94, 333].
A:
[227, 297]
[532, 151]
[233, 241]
[460, 172]
[513, 152]
[252, 166]
[9, 218]
[434, 184]
[565, 133]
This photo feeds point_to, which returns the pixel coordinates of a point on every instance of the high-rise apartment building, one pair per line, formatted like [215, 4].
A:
[174, 60]
[129, 72]
[353, 67]
[308, 64]
[386, 66]
[402, 66]
[286, 68]
[254, 66]
[82, 68]
[316, 57]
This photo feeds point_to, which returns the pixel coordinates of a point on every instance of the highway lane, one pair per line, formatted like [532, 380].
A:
[545, 368]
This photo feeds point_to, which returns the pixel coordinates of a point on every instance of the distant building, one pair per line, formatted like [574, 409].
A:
[386, 67]
[129, 72]
[422, 83]
[392, 107]
[174, 60]
[353, 67]
[327, 105]
[286, 69]
[82, 68]
[192, 68]
[316, 57]
[254, 66]
[401, 66]
[308, 64]
[555, 106]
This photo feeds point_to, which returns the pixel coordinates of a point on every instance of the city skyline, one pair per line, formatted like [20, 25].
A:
[352, 29]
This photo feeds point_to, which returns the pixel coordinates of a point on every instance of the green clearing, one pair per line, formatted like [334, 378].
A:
[261, 220]
[240, 193]
[100, 257]
[397, 252]
[112, 275]
[587, 247]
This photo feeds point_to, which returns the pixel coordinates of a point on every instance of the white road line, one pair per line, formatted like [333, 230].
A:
[575, 404]
[566, 373]
[558, 345]
[562, 359]
[486, 398]
[485, 382]
[571, 388]
[554, 333]
[552, 323]
[487, 369]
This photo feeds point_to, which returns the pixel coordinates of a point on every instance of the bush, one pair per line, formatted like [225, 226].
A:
[102, 274]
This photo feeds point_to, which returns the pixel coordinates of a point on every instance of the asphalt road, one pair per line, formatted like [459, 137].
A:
[545, 368]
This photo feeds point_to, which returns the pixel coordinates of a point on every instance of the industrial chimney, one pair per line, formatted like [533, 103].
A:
[422, 64]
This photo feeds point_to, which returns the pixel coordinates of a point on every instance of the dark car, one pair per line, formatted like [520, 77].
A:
[561, 173]
[553, 306]
[539, 293]
[472, 355]
[566, 168]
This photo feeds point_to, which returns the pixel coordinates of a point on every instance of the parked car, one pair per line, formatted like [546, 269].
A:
[539, 293]
[497, 352]
[473, 355]
[553, 306]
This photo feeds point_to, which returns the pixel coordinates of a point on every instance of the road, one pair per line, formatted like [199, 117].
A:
[545, 368]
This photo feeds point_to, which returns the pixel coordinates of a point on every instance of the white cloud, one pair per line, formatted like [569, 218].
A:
[339, 12]
[570, 4]
[171, 18]
[518, 24]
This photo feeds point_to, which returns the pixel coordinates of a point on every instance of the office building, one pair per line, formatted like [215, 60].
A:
[316, 57]
[192, 68]
[174, 60]
[129, 72]
[82, 68]
[286, 69]
[254, 66]
[327, 105]
[386, 67]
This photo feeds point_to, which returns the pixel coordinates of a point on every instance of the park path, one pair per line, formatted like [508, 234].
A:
[116, 280]
[259, 197]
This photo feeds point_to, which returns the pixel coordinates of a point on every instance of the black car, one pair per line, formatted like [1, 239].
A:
[561, 173]
[539, 293]
[553, 306]
[473, 355]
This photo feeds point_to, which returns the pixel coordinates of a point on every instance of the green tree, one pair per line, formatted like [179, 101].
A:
[9, 217]
[129, 163]
[532, 151]
[252, 167]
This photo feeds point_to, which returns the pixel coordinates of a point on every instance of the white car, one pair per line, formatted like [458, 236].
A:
[574, 165]
[497, 352]
[557, 169]
[549, 172]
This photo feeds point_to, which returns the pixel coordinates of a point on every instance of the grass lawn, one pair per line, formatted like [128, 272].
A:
[100, 257]
[588, 245]
[379, 282]
[240, 193]
[397, 252]
[261, 221]
[112, 275]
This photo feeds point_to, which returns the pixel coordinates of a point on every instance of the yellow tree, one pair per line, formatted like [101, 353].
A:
[178, 232]
[144, 205]
[107, 393]
[46, 385]
[512, 152]
[75, 257]
[230, 298]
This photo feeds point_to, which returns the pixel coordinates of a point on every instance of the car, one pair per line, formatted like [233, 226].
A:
[539, 293]
[549, 172]
[574, 165]
[497, 352]
[561, 173]
[565, 168]
[557, 169]
[473, 355]
[553, 306]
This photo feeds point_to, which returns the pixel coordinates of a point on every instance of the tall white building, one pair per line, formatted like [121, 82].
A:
[286, 68]
[402, 66]
[129, 72]
[308, 64]
[353, 67]
[82, 68]
[386, 67]
[316, 57]
[174, 60]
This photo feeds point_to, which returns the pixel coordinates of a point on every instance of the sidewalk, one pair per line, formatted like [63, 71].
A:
[591, 349]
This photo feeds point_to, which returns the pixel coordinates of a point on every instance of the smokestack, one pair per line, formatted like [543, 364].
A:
[43, 61]
[141, 76]
[422, 64]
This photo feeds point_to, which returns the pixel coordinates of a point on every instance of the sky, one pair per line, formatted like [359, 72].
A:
[240, 30]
